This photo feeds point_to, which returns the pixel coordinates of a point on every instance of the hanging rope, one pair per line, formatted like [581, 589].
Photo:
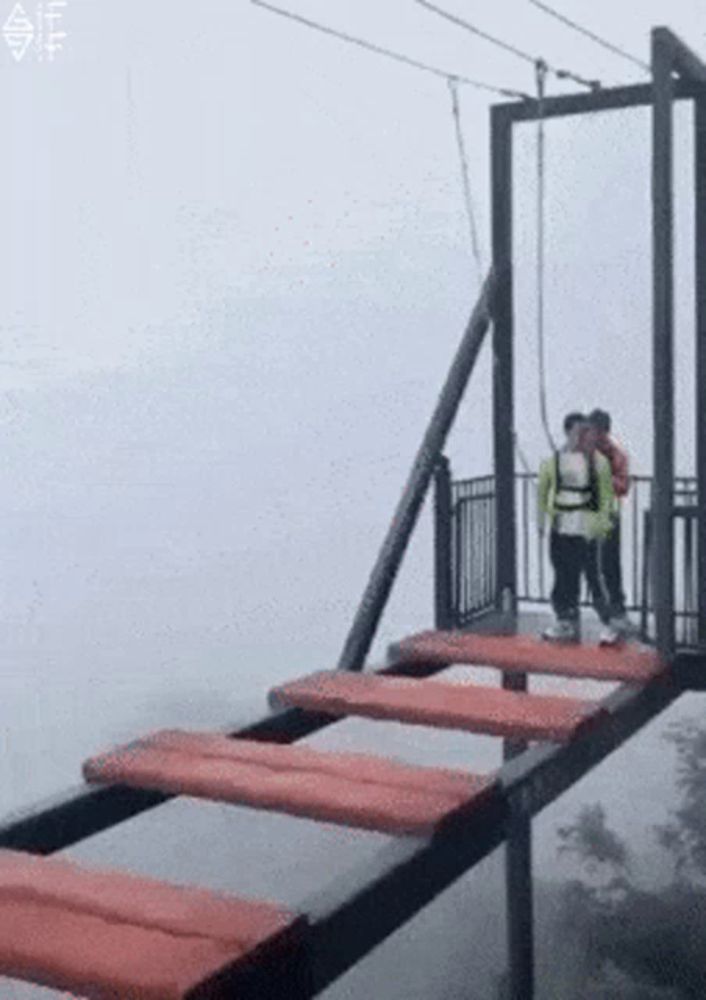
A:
[541, 75]
[475, 246]
[465, 177]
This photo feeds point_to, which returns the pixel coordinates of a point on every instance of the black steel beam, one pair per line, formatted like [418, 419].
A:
[84, 811]
[278, 968]
[367, 904]
[700, 384]
[377, 591]
[518, 856]
[503, 357]
[690, 670]
[610, 99]
[519, 905]
[443, 546]
[73, 816]
[663, 344]
[543, 773]
[358, 911]
[682, 59]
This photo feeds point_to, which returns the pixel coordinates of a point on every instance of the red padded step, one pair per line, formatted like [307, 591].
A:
[108, 934]
[350, 789]
[527, 654]
[433, 703]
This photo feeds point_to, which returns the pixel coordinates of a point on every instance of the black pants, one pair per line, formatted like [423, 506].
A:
[572, 557]
[611, 569]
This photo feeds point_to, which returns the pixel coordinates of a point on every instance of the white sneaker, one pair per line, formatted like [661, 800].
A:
[561, 631]
[623, 625]
[609, 636]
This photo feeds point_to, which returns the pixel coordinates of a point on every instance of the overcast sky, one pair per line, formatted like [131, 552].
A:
[235, 266]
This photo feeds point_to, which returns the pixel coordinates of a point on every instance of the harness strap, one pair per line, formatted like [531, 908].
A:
[591, 489]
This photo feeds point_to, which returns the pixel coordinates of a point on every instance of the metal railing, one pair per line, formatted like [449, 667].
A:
[471, 530]
[471, 546]
[686, 577]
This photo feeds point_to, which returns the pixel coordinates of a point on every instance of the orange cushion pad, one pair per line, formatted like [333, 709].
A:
[350, 789]
[523, 653]
[472, 708]
[108, 934]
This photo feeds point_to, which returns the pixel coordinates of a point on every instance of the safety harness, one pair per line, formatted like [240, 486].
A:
[591, 491]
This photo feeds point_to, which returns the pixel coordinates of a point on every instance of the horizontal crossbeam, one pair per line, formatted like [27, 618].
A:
[608, 99]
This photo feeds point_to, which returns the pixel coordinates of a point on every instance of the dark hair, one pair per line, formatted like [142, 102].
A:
[571, 419]
[600, 420]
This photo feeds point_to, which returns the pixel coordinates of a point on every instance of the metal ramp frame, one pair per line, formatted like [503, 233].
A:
[357, 913]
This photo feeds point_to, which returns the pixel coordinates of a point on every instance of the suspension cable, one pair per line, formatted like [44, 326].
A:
[380, 50]
[562, 74]
[575, 26]
[453, 81]
[541, 75]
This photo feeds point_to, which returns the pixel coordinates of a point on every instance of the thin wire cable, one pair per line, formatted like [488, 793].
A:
[562, 74]
[476, 31]
[465, 178]
[452, 80]
[475, 246]
[575, 26]
[541, 73]
[379, 50]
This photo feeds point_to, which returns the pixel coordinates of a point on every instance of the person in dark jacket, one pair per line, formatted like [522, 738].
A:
[598, 436]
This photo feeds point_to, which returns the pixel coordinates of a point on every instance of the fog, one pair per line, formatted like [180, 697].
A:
[235, 267]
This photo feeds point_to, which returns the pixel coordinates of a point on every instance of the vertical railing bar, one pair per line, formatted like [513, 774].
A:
[635, 543]
[491, 549]
[466, 560]
[541, 548]
[486, 553]
[646, 572]
[525, 576]
[443, 556]
[460, 554]
[473, 577]
[458, 531]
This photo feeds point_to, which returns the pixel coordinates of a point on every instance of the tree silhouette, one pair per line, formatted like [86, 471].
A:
[644, 941]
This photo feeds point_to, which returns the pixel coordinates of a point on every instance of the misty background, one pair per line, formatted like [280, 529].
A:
[235, 266]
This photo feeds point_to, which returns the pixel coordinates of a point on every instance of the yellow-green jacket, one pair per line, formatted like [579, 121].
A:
[598, 522]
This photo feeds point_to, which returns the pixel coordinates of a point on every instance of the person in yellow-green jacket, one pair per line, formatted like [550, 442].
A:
[576, 497]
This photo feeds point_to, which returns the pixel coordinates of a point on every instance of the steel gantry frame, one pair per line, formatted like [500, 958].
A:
[677, 73]
[363, 908]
